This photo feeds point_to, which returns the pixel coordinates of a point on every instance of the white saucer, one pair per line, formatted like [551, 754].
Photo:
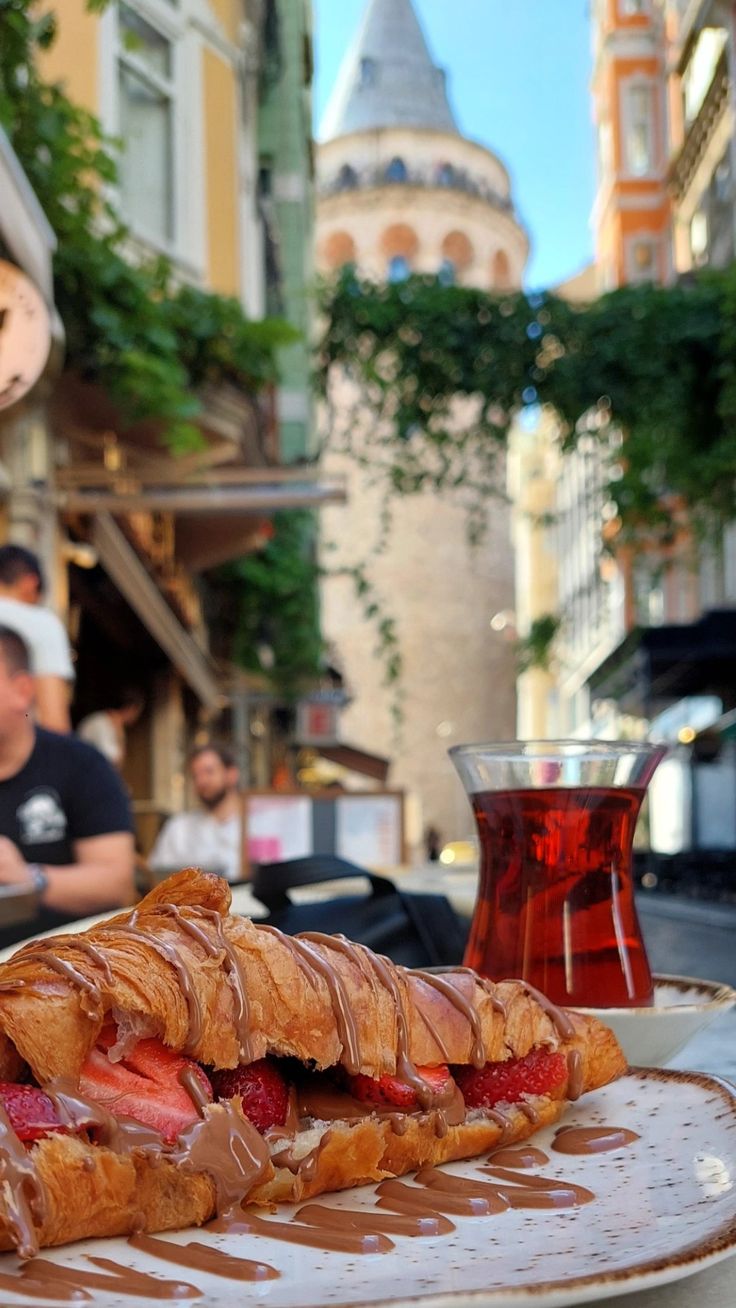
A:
[683, 1006]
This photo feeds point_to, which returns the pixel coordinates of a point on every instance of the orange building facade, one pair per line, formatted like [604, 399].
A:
[632, 213]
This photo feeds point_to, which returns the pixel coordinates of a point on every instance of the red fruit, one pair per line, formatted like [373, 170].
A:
[262, 1088]
[144, 1085]
[390, 1092]
[539, 1073]
[30, 1112]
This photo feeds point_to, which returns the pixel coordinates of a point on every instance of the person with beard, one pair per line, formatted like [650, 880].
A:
[211, 837]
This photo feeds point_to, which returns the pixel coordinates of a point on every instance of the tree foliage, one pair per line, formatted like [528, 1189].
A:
[129, 325]
[268, 603]
[444, 369]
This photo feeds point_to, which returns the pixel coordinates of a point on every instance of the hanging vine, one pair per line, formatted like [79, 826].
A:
[438, 374]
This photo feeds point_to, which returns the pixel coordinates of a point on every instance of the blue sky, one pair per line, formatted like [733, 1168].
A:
[519, 73]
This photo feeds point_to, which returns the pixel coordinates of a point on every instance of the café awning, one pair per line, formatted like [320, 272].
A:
[125, 569]
[656, 665]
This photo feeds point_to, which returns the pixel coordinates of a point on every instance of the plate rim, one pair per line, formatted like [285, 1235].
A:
[718, 1246]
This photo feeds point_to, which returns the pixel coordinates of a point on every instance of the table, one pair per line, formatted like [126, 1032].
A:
[711, 955]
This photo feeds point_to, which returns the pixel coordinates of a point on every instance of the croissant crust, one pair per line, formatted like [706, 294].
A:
[56, 996]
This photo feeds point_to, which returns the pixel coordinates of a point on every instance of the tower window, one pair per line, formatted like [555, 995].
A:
[639, 130]
[445, 175]
[347, 178]
[367, 72]
[501, 271]
[399, 268]
[397, 170]
[447, 275]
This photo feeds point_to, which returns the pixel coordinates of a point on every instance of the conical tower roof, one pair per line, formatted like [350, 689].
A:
[388, 77]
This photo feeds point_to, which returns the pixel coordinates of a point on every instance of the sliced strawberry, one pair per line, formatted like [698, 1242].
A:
[30, 1112]
[390, 1092]
[262, 1088]
[538, 1073]
[144, 1086]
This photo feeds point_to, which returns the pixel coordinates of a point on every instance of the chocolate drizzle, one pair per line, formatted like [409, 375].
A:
[21, 1188]
[170, 955]
[339, 998]
[465, 1006]
[228, 1147]
[88, 988]
[121, 1134]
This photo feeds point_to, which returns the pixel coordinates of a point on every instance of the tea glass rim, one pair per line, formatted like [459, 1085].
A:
[552, 750]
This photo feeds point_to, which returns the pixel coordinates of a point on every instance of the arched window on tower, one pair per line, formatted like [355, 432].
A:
[501, 271]
[399, 268]
[445, 174]
[367, 72]
[397, 170]
[447, 275]
[338, 250]
[457, 254]
[347, 178]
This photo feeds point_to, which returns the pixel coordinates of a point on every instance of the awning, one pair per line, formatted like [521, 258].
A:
[124, 567]
[262, 497]
[657, 665]
[355, 760]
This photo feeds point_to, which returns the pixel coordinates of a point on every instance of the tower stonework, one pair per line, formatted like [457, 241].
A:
[400, 190]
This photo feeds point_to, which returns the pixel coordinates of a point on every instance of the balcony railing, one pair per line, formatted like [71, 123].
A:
[442, 176]
[701, 130]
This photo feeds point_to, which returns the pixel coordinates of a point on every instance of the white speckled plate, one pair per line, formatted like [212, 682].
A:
[665, 1207]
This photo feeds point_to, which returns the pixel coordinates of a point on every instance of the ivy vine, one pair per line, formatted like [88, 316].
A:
[439, 372]
[151, 342]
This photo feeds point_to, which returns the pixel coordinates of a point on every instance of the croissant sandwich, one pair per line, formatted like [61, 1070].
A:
[174, 1062]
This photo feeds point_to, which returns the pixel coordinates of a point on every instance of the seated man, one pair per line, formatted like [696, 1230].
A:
[21, 588]
[213, 837]
[65, 821]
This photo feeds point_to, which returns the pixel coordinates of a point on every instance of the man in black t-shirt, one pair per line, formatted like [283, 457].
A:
[65, 822]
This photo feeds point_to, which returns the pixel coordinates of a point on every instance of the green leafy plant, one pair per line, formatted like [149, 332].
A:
[129, 326]
[443, 370]
[535, 649]
[267, 605]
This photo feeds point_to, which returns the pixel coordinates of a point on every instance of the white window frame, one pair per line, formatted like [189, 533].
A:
[187, 244]
[630, 86]
[626, 9]
[634, 274]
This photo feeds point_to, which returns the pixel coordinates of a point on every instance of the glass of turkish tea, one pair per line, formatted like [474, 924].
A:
[555, 901]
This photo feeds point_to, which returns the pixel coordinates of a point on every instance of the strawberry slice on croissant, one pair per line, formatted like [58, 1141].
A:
[174, 1062]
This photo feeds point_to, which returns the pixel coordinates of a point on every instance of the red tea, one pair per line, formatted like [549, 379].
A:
[556, 897]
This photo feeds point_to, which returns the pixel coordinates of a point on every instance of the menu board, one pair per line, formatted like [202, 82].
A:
[369, 829]
[366, 828]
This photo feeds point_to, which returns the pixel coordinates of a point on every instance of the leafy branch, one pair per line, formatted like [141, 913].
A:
[128, 324]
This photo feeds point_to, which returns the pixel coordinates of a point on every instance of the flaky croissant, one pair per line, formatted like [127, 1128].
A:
[178, 989]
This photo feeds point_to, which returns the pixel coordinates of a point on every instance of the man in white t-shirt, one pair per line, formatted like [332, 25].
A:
[213, 837]
[21, 588]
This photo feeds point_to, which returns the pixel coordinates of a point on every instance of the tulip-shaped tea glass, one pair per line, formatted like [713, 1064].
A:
[555, 901]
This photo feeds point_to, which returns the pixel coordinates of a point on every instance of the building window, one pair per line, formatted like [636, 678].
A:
[399, 268]
[445, 175]
[146, 93]
[639, 120]
[397, 171]
[500, 271]
[697, 78]
[633, 8]
[642, 260]
[699, 239]
[367, 72]
[347, 178]
[447, 275]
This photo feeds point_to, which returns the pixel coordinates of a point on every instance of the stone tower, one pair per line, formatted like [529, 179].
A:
[401, 190]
